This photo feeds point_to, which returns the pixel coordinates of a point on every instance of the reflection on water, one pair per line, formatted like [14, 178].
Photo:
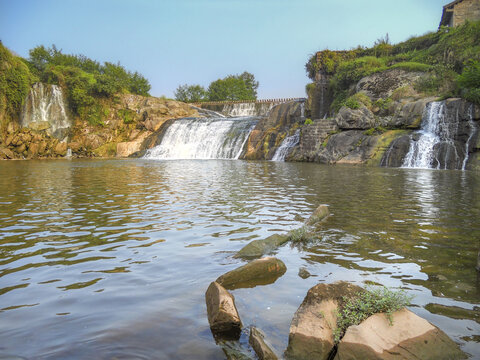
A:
[111, 259]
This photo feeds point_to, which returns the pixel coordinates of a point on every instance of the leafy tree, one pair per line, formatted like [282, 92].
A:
[190, 93]
[234, 87]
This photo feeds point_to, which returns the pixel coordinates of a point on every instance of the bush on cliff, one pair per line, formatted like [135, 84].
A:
[15, 82]
[469, 82]
[85, 81]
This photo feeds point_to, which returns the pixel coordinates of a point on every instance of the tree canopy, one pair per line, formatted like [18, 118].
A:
[231, 87]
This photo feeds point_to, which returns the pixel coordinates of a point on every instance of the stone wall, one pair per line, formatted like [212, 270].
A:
[466, 10]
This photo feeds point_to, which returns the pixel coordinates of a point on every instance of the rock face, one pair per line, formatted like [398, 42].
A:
[350, 119]
[222, 313]
[383, 84]
[257, 341]
[312, 327]
[257, 272]
[269, 132]
[258, 248]
[410, 337]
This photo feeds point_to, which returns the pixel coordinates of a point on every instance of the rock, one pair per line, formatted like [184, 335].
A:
[257, 272]
[61, 149]
[257, 341]
[395, 154]
[354, 119]
[381, 85]
[222, 313]
[8, 154]
[125, 149]
[348, 147]
[410, 337]
[312, 327]
[319, 214]
[39, 125]
[33, 150]
[258, 248]
[21, 148]
[304, 273]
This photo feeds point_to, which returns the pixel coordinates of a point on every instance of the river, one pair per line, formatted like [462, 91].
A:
[110, 259]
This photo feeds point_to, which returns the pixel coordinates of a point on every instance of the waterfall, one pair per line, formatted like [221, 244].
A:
[240, 109]
[441, 142]
[287, 144]
[45, 110]
[200, 138]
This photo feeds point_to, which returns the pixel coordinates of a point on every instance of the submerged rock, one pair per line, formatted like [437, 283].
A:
[319, 214]
[410, 337]
[258, 248]
[304, 273]
[222, 313]
[313, 325]
[257, 272]
[257, 341]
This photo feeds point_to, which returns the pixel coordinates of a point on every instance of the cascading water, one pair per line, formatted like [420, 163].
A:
[45, 110]
[247, 109]
[443, 141]
[199, 138]
[286, 146]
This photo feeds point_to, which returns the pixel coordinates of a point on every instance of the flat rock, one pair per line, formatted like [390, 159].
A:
[410, 337]
[257, 341]
[222, 313]
[263, 271]
[258, 248]
[319, 214]
[313, 325]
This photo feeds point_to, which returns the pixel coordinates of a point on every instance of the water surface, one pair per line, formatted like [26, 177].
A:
[110, 259]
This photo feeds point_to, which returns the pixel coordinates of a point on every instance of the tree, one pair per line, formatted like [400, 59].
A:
[190, 93]
[234, 87]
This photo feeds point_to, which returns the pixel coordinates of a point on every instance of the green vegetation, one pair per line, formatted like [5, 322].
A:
[367, 303]
[469, 82]
[15, 82]
[375, 131]
[85, 81]
[231, 87]
[308, 121]
[299, 235]
[449, 57]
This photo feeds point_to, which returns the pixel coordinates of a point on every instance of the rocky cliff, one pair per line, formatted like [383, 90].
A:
[46, 128]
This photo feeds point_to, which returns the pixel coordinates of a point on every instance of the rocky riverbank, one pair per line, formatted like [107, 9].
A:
[334, 321]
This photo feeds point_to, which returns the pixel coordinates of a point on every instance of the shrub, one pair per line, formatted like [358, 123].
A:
[412, 66]
[367, 303]
[308, 121]
[349, 72]
[469, 82]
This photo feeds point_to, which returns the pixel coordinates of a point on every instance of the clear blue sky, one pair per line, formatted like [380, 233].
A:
[172, 42]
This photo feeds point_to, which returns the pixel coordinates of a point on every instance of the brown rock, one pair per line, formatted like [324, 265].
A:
[222, 313]
[410, 337]
[42, 147]
[21, 148]
[33, 150]
[125, 149]
[313, 325]
[319, 214]
[7, 153]
[61, 149]
[257, 341]
[258, 248]
[8, 140]
[257, 272]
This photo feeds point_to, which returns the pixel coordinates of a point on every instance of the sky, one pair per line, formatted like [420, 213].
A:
[175, 42]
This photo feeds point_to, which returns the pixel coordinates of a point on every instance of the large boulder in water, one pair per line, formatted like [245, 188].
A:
[257, 272]
[222, 313]
[314, 323]
[258, 248]
[408, 337]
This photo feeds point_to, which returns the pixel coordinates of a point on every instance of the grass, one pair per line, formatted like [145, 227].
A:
[299, 235]
[367, 303]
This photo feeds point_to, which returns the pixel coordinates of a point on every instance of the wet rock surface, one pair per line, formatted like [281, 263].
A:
[222, 313]
[257, 272]
[258, 248]
[257, 341]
